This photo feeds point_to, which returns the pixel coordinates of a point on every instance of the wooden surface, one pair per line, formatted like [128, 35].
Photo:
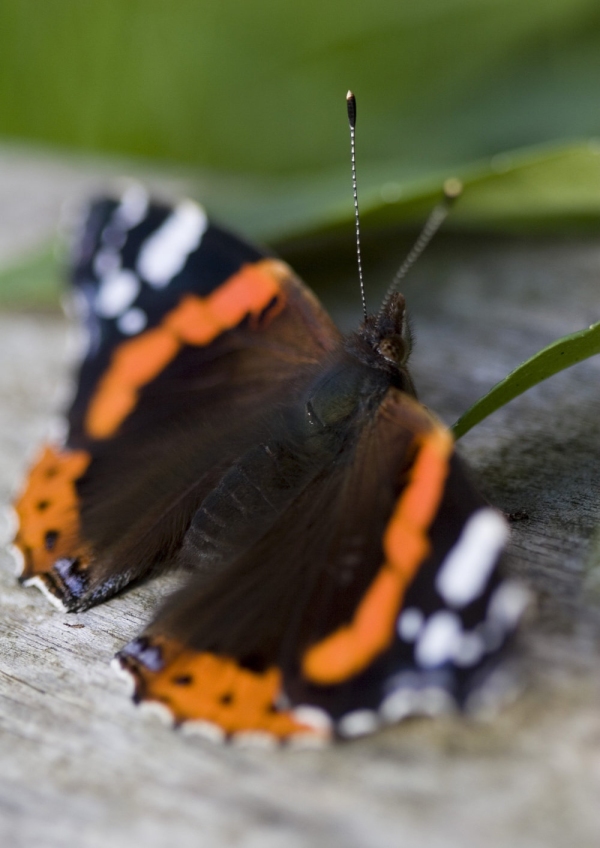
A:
[81, 766]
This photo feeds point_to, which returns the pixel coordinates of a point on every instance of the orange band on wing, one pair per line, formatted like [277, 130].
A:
[195, 321]
[48, 510]
[200, 686]
[350, 649]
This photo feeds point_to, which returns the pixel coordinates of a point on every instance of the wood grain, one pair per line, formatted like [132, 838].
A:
[81, 766]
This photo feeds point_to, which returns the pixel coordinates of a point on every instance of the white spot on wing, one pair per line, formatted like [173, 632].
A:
[165, 252]
[18, 559]
[41, 585]
[469, 650]
[410, 624]
[467, 568]
[205, 729]
[313, 717]
[57, 430]
[123, 674]
[439, 639]
[399, 705]
[133, 207]
[133, 321]
[407, 701]
[116, 293]
[254, 739]
[161, 711]
[106, 262]
[9, 523]
[358, 723]
[508, 603]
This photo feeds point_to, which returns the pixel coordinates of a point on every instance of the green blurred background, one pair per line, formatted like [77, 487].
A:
[246, 101]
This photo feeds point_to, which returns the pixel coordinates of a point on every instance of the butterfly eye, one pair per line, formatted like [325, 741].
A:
[395, 348]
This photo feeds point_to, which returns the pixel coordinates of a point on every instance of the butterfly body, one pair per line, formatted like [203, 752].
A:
[342, 571]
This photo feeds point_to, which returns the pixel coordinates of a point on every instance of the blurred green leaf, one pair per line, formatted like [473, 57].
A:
[559, 355]
[259, 87]
[32, 283]
[533, 189]
[526, 190]
[252, 95]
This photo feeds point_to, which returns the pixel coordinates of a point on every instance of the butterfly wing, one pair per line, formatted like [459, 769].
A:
[358, 580]
[376, 594]
[193, 337]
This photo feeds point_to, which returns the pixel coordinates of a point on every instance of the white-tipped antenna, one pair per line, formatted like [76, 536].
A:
[452, 189]
[351, 104]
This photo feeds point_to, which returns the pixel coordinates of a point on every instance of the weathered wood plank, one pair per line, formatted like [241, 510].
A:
[80, 766]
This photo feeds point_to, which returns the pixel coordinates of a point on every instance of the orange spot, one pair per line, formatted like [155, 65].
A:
[349, 650]
[194, 321]
[206, 687]
[49, 505]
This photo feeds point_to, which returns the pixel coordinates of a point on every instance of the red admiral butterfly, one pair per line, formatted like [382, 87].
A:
[343, 572]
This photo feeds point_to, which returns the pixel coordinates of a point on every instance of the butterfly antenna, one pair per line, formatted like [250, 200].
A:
[452, 189]
[351, 104]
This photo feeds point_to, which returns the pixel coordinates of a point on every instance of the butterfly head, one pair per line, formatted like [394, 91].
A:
[382, 346]
[391, 335]
[383, 343]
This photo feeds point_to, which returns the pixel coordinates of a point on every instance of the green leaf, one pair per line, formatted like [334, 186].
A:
[34, 282]
[548, 188]
[559, 355]
[251, 95]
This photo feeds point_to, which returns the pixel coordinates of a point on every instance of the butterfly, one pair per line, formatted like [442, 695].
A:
[341, 570]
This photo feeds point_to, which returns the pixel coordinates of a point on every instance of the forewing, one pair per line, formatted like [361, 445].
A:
[194, 339]
[377, 594]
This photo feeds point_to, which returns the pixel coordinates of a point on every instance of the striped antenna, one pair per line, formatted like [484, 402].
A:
[452, 189]
[351, 104]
